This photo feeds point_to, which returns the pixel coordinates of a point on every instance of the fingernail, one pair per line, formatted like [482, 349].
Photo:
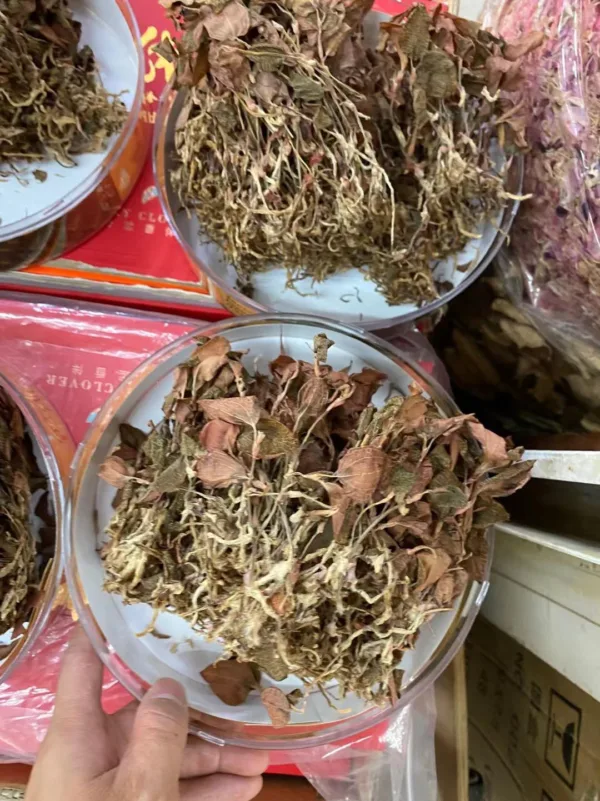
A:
[170, 690]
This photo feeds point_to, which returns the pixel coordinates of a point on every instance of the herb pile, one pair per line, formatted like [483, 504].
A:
[298, 146]
[504, 367]
[306, 530]
[555, 239]
[18, 551]
[52, 103]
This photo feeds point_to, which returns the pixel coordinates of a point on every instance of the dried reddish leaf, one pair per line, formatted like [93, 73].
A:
[340, 501]
[231, 23]
[216, 346]
[521, 47]
[207, 369]
[313, 396]
[360, 471]
[116, 472]
[277, 705]
[444, 591]
[243, 411]
[219, 435]
[279, 603]
[218, 470]
[432, 566]
[232, 681]
[181, 410]
[494, 446]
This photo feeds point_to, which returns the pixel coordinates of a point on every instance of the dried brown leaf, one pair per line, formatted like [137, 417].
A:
[242, 411]
[116, 472]
[219, 435]
[432, 566]
[494, 446]
[232, 681]
[218, 470]
[230, 23]
[360, 471]
[523, 46]
[277, 705]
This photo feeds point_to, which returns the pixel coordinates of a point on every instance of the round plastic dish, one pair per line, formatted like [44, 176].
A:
[53, 450]
[180, 652]
[41, 221]
[355, 300]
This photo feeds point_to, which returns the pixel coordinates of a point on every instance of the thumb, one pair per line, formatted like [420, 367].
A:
[152, 764]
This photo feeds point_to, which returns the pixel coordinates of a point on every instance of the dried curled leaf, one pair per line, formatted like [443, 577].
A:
[277, 705]
[219, 435]
[360, 471]
[218, 469]
[232, 681]
[116, 472]
[231, 22]
[243, 411]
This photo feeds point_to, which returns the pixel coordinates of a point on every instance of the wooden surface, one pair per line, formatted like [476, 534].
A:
[287, 788]
[451, 733]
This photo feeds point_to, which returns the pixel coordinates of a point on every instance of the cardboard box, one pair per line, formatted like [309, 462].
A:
[533, 734]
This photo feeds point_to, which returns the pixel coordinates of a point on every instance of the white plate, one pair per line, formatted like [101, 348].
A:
[90, 511]
[26, 203]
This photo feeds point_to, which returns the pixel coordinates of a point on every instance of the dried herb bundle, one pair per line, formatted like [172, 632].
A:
[306, 530]
[300, 147]
[18, 571]
[555, 240]
[52, 103]
[507, 370]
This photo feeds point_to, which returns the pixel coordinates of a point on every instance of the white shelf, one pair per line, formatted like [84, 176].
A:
[545, 593]
[580, 466]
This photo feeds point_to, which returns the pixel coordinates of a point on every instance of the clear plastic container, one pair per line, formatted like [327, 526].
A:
[112, 626]
[348, 297]
[41, 221]
[53, 450]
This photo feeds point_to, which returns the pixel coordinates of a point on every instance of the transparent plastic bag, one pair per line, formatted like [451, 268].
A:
[417, 347]
[555, 239]
[394, 764]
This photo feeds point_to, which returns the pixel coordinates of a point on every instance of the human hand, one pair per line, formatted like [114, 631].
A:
[142, 753]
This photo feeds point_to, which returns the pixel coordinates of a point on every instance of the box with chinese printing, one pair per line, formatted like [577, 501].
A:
[533, 734]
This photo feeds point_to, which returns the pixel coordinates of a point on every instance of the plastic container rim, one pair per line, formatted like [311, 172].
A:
[471, 600]
[28, 225]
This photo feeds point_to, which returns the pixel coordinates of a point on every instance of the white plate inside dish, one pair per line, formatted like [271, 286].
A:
[186, 653]
[26, 203]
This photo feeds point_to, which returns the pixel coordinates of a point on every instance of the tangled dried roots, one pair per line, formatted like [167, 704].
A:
[306, 531]
[299, 147]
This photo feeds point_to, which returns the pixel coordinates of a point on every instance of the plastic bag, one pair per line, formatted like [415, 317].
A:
[395, 764]
[418, 348]
[555, 240]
